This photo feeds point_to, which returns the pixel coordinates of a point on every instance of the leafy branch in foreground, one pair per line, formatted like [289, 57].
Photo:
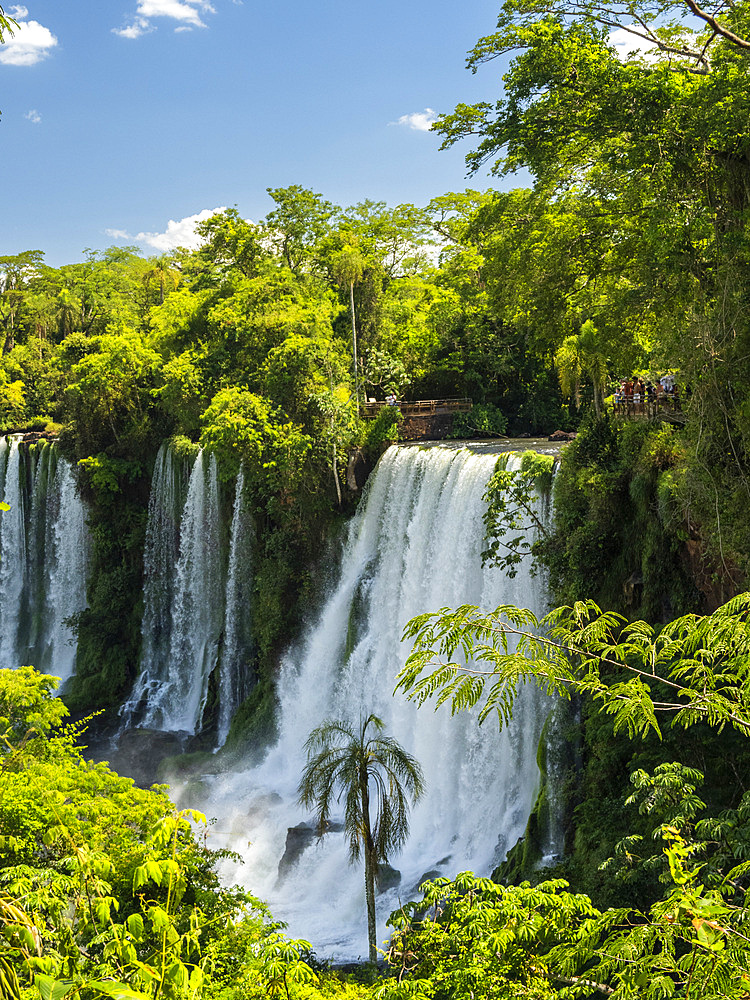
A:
[7, 25]
[694, 669]
[105, 889]
[473, 938]
[513, 505]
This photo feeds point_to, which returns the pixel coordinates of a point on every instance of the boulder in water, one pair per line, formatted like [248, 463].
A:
[298, 839]
[562, 436]
[141, 751]
[387, 877]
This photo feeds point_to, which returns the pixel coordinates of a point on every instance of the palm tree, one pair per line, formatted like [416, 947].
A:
[348, 268]
[163, 272]
[345, 761]
[580, 354]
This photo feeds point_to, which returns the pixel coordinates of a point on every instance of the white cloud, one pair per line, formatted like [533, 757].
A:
[420, 121]
[30, 43]
[140, 26]
[33, 116]
[177, 234]
[187, 14]
[19, 13]
[626, 42]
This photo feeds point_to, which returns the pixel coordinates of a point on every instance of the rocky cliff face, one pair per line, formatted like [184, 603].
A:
[431, 427]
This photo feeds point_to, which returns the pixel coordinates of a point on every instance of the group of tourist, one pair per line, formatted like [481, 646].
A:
[634, 393]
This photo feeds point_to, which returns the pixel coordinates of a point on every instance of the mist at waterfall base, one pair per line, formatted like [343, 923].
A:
[43, 557]
[414, 546]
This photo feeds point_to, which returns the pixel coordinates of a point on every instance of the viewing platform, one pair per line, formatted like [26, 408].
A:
[419, 407]
[664, 407]
[421, 419]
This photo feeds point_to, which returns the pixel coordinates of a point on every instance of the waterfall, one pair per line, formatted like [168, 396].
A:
[415, 545]
[233, 676]
[43, 557]
[12, 553]
[162, 548]
[184, 598]
[67, 544]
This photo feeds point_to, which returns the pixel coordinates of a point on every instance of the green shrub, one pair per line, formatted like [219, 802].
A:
[483, 420]
[383, 429]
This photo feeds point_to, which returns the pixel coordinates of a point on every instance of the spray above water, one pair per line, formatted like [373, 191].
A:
[414, 546]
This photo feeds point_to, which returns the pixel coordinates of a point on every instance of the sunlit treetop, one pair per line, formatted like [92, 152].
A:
[678, 29]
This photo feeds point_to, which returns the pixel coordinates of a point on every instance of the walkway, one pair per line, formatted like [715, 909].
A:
[420, 407]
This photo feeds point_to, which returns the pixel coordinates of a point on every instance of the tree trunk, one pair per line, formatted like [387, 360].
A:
[336, 474]
[370, 863]
[372, 934]
[354, 345]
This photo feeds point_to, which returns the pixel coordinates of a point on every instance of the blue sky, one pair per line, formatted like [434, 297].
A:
[121, 116]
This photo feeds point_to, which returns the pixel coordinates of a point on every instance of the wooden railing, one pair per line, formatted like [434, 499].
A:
[649, 408]
[420, 407]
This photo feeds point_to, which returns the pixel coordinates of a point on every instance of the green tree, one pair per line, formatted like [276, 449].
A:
[471, 939]
[693, 669]
[653, 151]
[243, 427]
[307, 378]
[580, 355]
[348, 268]
[12, 400]
[183, 393]
[7, 24]
[111, 393]
[105, 890]
[373, 247]
[231, 243]
[343, 760]
[513, 504]
[694, 939]
[299, 223]
[15, 274]
[394, 239]
[163, 274]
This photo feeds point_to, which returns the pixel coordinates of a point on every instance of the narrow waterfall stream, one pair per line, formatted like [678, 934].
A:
[182, 573]
[238, 641]
[415, 545]
[43, 557]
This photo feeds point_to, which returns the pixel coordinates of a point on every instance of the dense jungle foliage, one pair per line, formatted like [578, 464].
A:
[246, 346]
[107, 891]
[627, 253]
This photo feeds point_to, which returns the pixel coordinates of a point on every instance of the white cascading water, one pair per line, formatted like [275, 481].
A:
[44, 546]
[161, 551]
[414, 546]
[237, 646]
[66, 559]
[12, 554]
[184, 599]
